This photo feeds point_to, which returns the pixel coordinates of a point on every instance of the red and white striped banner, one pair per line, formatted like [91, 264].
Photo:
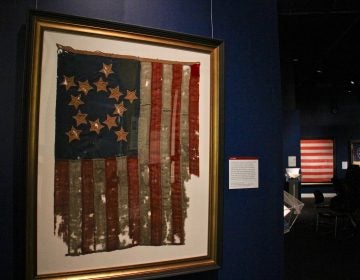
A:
[317, 160]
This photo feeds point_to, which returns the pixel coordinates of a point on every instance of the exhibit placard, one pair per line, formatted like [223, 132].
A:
[243, 172]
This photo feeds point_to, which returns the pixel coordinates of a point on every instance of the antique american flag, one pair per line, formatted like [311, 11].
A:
[317, 160]
[126, 141]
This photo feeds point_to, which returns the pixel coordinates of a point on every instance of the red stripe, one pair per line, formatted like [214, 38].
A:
[243, 158]
[176, 188]
[155, 204]
[316, 154]
[111, 194]
[87, 192]
[194, 120]
[316, 141]
[154, 155]
[316, 173]
[316, 167]
[133, 198]
[61, 198]
[317, 160]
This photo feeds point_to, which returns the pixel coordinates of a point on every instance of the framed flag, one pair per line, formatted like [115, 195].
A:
[317, 161]
[123, 150]
[355, 152]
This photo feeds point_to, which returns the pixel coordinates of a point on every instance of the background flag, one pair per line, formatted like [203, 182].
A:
[317, 160]
[126, 141]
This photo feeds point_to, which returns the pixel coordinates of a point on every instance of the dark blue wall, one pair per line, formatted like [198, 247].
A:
[253, 241]
[291, 137]
[317, 119]
[252, 219]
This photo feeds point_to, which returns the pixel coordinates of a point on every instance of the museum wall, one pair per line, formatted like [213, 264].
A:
[252, 245]
[291, 137]
[321, 121]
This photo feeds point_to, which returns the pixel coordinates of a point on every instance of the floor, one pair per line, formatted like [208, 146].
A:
[320, 255]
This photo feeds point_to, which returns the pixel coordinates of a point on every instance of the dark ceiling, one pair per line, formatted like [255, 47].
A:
[320, 47]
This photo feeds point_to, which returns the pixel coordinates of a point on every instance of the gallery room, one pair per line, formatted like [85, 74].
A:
[180, 139]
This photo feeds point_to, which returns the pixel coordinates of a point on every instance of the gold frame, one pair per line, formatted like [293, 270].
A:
[41, 22]
[354, 145]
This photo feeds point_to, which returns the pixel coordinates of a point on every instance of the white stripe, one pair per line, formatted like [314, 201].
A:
[328, 164]
[316, 145]
[317, 151]
[317, 176]
[317, 157]
[143, 148]
[165, 153]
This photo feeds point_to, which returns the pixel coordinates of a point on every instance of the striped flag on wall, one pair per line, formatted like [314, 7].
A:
[126, 141]
[317, 160]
